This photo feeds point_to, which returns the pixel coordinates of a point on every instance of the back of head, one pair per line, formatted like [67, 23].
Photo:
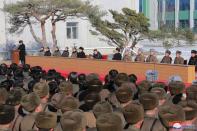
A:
[72, 77]
[190, 109]
[133, 78]
[144, 86]
[170, 113]
[149, 101]
[133, 113]
[121, 78]
[112, 74]
[109, 122]
[68, 104]
[192, 93]
[176, 87]
[95, 85]
[102, 108]
[92, 76]
[124, 94]
[160, 85]
[41, 89]
[7, 114]
[73, 121]
[160, 92]
[30, 102]
[53, 87]
[46, 120]
[66, 87]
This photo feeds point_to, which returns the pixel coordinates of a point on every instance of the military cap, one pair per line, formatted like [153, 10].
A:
[149, 101]
[144, 86]
[176, 87]
[178, 52]
[194, 51]
[68, 104]
[124, 94]
[101, 108]
[81, 48]
[121, 78]
[190, 108]
[7, 114]
[73, 121]
[109, 122]
[30, 102]
[133, 113]
[46, 120]
[168, 52]
[3, 95]
[160, 92]
[170, 113]
[191, 93]
[41, 89]
[160, 85]
[66, 87]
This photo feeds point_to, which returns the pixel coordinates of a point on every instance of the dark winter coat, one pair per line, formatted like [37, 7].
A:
[166, 60]
[22, 52]
[81, 55]
[117, 56]
[65, 53]
[97, 56]
[193, 61]
[47, 53]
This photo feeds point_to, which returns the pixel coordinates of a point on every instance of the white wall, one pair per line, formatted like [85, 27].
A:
[2, 25]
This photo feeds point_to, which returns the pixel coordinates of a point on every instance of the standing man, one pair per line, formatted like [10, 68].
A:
[193, 58]
[167, 59]
[22, 52]
[152, 57]
[179, 60]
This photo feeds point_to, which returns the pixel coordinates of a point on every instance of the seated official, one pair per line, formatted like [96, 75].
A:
[178, 59]
[117, 55]
[127, 56]
[57, 52]
[47, 52]
[167, 59]
[152, 57]
[74, 53]
[65, 52]
[81, 53]
[140, 56]
[97, 54]
[193, 58]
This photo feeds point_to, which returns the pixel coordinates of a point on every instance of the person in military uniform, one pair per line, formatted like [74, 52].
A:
[167, 59]
[57, 52]
[152, 57]
[140, 56]
[65, 52]
[193, 58]
[47, 52]
[178, 59]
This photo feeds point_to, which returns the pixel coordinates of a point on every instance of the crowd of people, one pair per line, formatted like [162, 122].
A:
[140, 57]
[32, 99]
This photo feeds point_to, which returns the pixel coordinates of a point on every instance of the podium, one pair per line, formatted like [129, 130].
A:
[15, 56]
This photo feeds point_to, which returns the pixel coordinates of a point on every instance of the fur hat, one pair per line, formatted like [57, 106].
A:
[178, 52]
[170, 113]
[73, 121]
[95, 85]
[66, 87]
[121, 78]
[15, 96]
[133, 113]
[30, 102]
[191, 93]
[144, 86]
[91, 99]
[109, 122]
[7, 114]
[68, 104]
[101, 108]
[149, 101]
[56, 99]
[160, 85]
[160, 92]
[41, 89]
[81, 48]
[124, 94]
[3, 95]
[194, 51]
[190, 108]
[46, 120]
[168, 52]
[176, 87]
[92, 76]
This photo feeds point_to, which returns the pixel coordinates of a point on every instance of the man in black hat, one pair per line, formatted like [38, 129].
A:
[178, 59]
[167, 59]
[81, 53]
[193, 58]
[22, 52]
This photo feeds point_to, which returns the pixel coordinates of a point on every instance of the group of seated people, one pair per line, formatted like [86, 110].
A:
[32, 99]
[140, 57]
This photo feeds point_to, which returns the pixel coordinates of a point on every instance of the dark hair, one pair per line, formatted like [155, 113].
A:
[72, 77]
[7, 114]
[26, 67]
[53, 87]
[113, 73]
[133, 78]
[13, 66]
[118, 49]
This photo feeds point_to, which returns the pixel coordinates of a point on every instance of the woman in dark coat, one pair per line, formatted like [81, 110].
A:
[81, 53]
[22, 52]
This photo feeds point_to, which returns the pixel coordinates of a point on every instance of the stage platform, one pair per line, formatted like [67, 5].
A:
[102, 67]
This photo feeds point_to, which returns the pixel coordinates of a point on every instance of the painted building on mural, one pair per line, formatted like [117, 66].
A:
[72, 32]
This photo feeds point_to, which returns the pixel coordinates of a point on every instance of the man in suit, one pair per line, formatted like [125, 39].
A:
[22, 52]
[117, 55]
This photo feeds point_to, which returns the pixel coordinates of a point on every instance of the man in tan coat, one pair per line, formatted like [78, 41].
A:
[140, 56]
[179, 59]
[152, 57]
[167, 59]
